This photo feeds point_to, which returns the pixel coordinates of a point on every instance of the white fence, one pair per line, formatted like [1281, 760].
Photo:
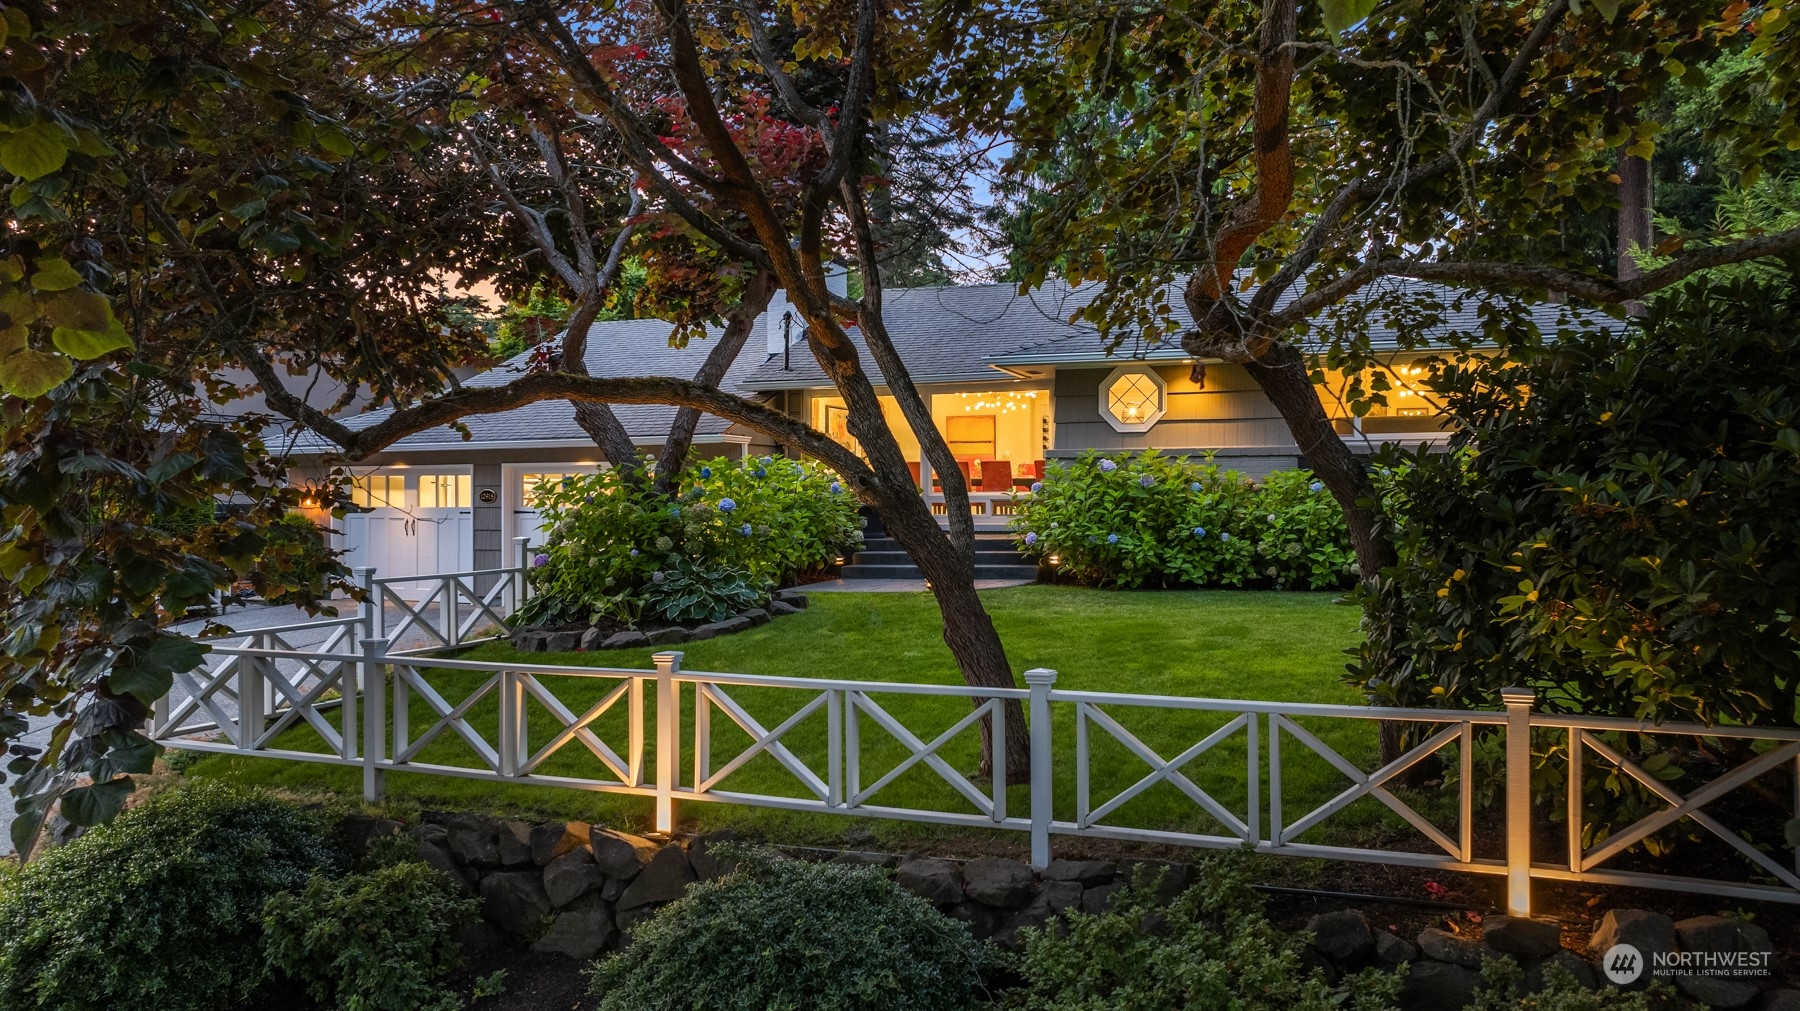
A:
[262, 697]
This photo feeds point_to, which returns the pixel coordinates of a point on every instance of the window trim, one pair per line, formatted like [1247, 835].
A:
[1105, 398]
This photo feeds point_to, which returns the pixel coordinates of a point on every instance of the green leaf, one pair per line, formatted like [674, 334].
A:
[33, 152]
[337, 142]
[1609, 9]
[54, 274]
[30, 373]
[78, 310]
[89, 344]
[97, 804]
[1341, 15]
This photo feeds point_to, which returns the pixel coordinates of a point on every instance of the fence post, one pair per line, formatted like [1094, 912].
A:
[253, 702]
[668, 737]
[374, 718]
[1040, 680]
[522, 561]
[370, 609]
[1519, 702]
[512, 723]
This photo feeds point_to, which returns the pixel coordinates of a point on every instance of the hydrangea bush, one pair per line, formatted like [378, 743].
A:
[610, 545]
[1144, 519]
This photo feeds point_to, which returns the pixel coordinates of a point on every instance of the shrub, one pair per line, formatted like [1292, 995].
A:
[1209, 948]
[374, 941]
[688, 592]
[759, 521]
[787, 935]
[295, 561]
[161, 908]
[1144, 519]
[1502, 979]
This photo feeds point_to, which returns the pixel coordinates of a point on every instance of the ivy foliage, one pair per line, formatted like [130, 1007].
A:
[1144, 519]
[1613, 526]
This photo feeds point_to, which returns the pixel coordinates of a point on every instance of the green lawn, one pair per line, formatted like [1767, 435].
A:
[1270, 646]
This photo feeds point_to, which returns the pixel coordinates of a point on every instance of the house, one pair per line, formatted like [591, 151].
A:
[1011, 384]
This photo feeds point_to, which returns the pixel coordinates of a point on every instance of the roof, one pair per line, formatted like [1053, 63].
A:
[616, 349]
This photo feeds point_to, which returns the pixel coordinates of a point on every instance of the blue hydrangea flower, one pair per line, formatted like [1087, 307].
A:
[836, 488]
[1030, 539]
[768, 460]
[1316, 485]
[1195, 487]
[1112, 538]
[1271, 517]
[657, 576]
[634, 552]
[1146, 481]
[759, 472]
[1037, 486]
[726, 505]
[745, 530]
[675, 511]
[1224, 536]
[1199, 531]
[540, 560]
[705, 472]
[1107, 466]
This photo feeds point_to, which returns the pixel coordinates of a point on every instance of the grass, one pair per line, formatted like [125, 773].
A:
[1239, 645]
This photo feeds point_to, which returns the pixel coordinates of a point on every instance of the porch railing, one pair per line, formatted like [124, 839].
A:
[393, 708]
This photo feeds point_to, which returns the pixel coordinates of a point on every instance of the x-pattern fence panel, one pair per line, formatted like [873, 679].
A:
[462, 609]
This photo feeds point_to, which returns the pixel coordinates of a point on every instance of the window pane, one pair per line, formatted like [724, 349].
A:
[378, 490]
[529, 486]
[1133, 398]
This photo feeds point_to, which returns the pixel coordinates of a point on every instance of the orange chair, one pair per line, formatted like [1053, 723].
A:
[996, 475]
[913, 465]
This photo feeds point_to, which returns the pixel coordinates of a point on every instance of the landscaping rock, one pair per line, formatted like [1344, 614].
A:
[628, 919]
[436, 856]
[1087, 872]
[1518, 935]
[571, 876]
[983, 920]
[1721, 935]
[1168, 878]
[704, 858]
[791, 597]
[620, 855]
[1098, 899]
[864, 858]
[778, 608]
[756, 616]
[360, 831]
[1570, 963]
[551, 841]
[614, 888]
[1446, 947]
[1781, 1000]
[935, 881]
[514, 844]
[998, 882]
[713, 630]
[665, 636]
[431, 832]
[515, 902]
[1644, 930]
[580, 932]
[663, 879]
[1392, 950]
[625, 640]
[1438, 986]
[593, 638]
[528, 642]
[561, 642]
[474, 839]
[1343, 936]
[1052, 899]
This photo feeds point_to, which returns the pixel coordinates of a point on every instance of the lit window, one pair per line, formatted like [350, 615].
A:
[374, 491]
[1132, 398]
[529, 491]
[444, 491]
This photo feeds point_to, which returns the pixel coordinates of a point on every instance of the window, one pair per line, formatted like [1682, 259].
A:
[373, 491]
[970, 435]
[444, 491]
[528, 493]
[1132, 398]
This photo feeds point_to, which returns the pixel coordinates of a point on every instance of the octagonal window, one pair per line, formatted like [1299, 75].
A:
[1132, 398]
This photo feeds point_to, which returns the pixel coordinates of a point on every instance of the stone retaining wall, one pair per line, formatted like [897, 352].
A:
[576, 640]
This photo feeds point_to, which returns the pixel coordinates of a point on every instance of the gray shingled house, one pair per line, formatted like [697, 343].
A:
[1010, 381]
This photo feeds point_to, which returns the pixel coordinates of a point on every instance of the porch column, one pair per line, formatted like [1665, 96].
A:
[924, 475]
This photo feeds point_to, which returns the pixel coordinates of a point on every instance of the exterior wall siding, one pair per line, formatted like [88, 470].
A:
[1230, 413]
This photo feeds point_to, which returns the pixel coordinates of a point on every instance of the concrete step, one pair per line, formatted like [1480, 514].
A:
[857, 571]
[902, 558]
[1026, 571]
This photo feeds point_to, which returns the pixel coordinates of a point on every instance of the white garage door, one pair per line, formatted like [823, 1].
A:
[526, 520]
[418, 523]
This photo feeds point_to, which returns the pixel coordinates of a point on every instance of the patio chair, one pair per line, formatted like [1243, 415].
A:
[996, 475]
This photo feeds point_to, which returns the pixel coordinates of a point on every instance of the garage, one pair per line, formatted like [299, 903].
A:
[418, 522]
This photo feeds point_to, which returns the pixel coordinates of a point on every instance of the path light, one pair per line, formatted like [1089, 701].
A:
[1053, 561]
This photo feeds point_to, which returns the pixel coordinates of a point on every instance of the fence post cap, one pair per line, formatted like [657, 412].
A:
[1040, 676]
[374, 644]
[1518, 696]
[668, 658]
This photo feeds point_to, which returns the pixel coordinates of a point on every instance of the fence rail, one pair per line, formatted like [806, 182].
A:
[259, 694]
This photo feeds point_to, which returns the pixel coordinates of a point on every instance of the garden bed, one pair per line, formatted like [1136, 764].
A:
[609, 633]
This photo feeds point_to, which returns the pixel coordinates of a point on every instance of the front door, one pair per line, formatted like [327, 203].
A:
[418, 523]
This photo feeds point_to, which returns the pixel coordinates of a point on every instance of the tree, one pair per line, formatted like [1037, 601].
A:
[1264, 162]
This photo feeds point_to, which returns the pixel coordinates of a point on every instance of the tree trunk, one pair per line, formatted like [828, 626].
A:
[1635, 228]
[597, 420]
[738, 324]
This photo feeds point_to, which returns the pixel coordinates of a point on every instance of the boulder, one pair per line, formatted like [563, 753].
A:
[515, 902]
[620, 855]
[360, 831]
[628, 919]
[528, 641]
[777, 608]
[1087, 872]
[663, 879]
[665, 636]
[1719, 935]
[592, 639]
[431, 832]
[551, 841]
[436, 856]
[1099, 898]
[571, 876]
[792, 597]
[625, 640]
[579, 932]
[514, 844]
[714, 629]
[614, 888]
[756, 616]
[1438, 986]
[561, 642]
[982, 920]
[1442, 946]
[1052, 899]
[1391, 950]
[1568, 962]
[703, 854]
[1518, 935]
[998, 882]
[1644, 930]
[474, 839]
[936, 881]
[1343, 936]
